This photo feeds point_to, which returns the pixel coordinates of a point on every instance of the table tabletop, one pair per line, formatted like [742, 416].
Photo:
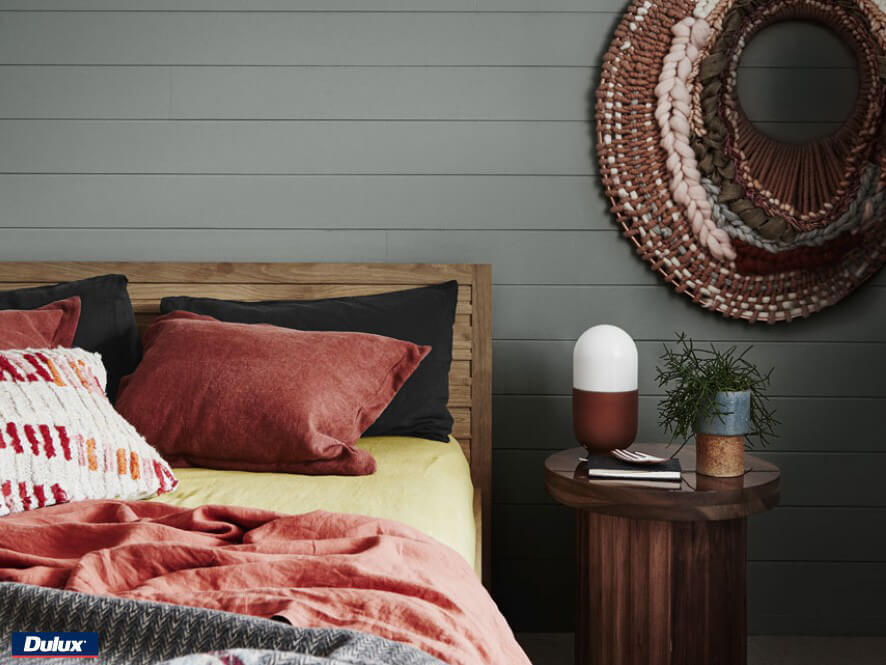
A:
[699, 497]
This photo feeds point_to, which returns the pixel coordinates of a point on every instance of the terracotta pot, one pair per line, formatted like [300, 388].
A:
[719, 439]
[604, 421]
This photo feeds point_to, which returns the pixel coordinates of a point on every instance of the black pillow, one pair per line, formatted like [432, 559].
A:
[107, 322]
[424, 316]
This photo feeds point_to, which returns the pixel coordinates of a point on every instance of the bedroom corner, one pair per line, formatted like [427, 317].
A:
[309, 275]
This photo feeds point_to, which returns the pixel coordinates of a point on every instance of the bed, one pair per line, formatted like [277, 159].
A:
[441, 489]
[425, 484]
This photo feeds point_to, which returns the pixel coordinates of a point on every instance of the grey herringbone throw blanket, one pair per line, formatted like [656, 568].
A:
[139, 632]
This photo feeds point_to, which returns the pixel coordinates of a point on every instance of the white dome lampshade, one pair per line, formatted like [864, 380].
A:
[604, 389]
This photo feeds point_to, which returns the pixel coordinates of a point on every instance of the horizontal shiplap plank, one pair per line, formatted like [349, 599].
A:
[376, 93]
[831, 479]
[798, 44]
[518, 257]
[656, 312]
[349, 38]
[85, 92]
[530, 257]
[802, 95]
[818, 534]
[552, 527]
[411, 93]
[807, 479]
[309, 147]
[817, 598]
[320, 274]
[315, 5]
[303, 39]
[801, 368]
[806, 424]
[191, 245]
[318, 202]
[536, 594]
[783, 597]
[784, 534]
[797, 132]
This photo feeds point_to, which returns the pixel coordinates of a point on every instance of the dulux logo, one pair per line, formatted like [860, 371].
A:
[54, 645]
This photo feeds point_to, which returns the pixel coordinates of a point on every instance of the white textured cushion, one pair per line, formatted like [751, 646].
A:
[60, 438]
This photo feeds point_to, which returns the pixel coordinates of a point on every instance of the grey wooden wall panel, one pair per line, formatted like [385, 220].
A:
[346, 202]
[301, 39]
[786, 534]
[530, 257]
[424, 130]
[311, 147]
[652, 312]
[788, 598]
[380, 93]
[818, 534]
[315, 5]
[438, 93]
[806, 369]
[345, 38]
[536, 594]
[306, 147]
[190, 245]
[824, 598]
[809, 479]
[800, 95]
[519, 256]
[239, 5]
[84, 92]
[808, 424]
[797, 44]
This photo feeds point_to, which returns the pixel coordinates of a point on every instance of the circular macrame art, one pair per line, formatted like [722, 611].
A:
[745, 225]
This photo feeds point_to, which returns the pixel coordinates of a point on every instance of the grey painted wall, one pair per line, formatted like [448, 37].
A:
[445, 130]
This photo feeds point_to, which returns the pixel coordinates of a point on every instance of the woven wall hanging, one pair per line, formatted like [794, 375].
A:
[746, 226]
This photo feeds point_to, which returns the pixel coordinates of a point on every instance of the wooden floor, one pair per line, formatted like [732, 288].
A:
[556, 649]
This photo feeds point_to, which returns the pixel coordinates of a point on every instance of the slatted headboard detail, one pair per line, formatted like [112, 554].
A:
[470, 381]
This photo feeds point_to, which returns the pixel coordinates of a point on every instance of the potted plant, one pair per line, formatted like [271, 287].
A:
[720, 396]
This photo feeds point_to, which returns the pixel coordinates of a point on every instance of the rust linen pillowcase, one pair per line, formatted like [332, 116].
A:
[43, 328]
[255, 397]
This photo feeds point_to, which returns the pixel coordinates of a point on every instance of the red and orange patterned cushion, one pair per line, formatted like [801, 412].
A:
[60, 438]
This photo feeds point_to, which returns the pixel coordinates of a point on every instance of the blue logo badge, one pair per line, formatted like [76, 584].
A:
[43, 645]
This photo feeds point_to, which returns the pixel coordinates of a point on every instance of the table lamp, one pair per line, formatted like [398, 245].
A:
[604, 389]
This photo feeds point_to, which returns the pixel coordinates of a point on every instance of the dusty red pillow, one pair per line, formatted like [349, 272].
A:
[45, 327]
[256, 397]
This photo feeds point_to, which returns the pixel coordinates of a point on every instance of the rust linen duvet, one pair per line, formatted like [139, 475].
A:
[318, 569]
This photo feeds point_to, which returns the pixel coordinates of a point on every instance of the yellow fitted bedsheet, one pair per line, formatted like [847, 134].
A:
[425, 484]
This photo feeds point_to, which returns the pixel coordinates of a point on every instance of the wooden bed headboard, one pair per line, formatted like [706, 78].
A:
[470, 380]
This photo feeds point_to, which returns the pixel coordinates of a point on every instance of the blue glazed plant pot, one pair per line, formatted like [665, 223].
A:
[735, 418]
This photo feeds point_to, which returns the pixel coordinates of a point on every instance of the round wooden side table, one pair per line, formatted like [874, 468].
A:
[662, 573]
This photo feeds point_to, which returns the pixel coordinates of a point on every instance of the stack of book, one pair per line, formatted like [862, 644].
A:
[606, 469]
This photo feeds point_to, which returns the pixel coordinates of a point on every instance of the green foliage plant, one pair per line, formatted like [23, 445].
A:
[691, 378]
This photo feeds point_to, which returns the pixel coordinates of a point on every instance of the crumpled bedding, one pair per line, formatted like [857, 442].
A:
[317, 569]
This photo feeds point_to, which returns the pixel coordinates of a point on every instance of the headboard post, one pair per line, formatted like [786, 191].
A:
[481, 407]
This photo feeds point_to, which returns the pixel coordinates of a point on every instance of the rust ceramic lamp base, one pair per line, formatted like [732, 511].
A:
[604, 421]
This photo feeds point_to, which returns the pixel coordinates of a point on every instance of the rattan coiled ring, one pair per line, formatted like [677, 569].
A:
[745, 225]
